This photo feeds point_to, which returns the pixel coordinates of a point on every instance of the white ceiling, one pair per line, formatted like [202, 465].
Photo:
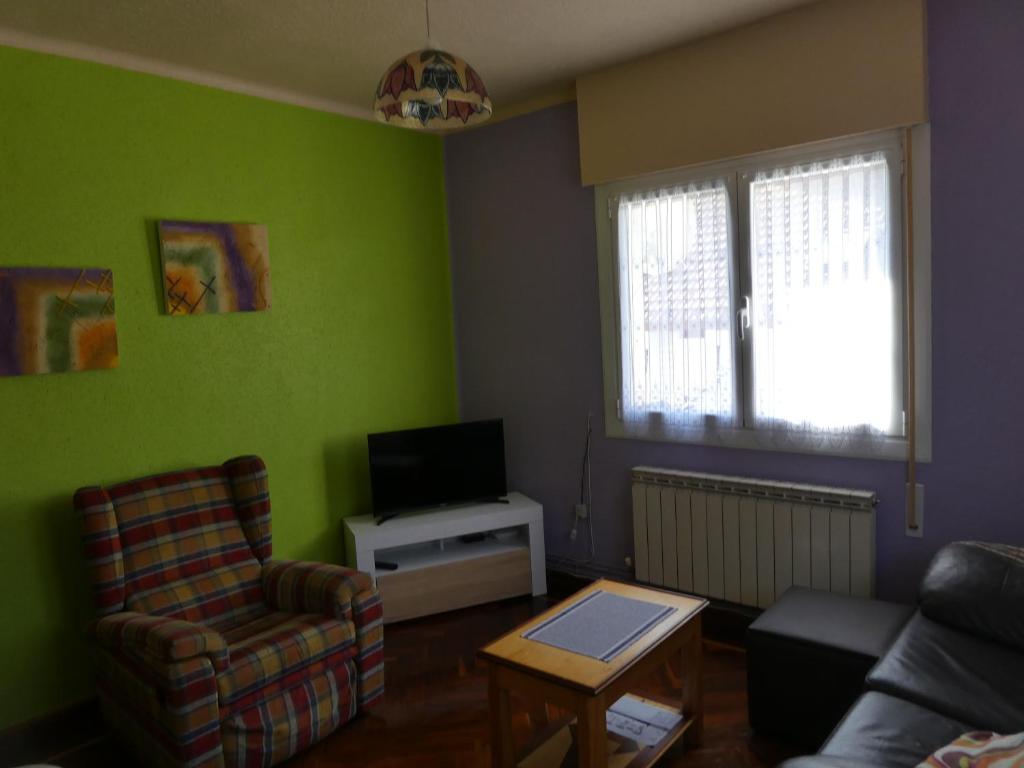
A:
[330, 53]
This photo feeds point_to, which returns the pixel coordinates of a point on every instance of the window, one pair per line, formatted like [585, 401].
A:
[760, 303]
[675, 303]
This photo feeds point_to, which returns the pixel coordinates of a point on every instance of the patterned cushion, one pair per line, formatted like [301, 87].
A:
[279, 650]
[279, 726]
[980, 749]
[185, 554]
[248, 476]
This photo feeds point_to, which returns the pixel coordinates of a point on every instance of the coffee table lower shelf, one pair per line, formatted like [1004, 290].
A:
[556, 748]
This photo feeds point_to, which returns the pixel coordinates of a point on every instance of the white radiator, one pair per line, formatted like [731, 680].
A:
[747, 540]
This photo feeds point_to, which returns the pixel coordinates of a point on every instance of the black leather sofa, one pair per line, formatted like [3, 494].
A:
[957, 666]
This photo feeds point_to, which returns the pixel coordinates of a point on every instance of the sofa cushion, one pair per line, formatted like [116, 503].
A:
[888, 732]
[978, 588]
[959, 675]
[277, 651]
[820, 761]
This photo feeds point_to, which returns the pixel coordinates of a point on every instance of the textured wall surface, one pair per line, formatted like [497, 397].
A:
[528, 331]
[358, 339]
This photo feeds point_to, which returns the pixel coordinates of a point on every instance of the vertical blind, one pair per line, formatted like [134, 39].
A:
[675, 298]
[824, 329]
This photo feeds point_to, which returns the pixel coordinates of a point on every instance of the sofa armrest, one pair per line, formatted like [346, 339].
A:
[162, 638]
[301, 587]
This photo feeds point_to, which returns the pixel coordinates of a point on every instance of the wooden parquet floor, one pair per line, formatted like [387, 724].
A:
[435, 709]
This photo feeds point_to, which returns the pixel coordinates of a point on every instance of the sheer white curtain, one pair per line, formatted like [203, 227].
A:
[675, 298]
[823, 278]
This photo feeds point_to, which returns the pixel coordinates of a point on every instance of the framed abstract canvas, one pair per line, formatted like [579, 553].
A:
[54, 320]
[212, 268]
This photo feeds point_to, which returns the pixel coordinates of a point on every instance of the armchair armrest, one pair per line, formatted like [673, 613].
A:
[162, 638]
[301, 587]
[343, 594]
[168, 710]
[368, 616]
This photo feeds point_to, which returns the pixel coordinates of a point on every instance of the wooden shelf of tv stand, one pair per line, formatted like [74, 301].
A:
[436, 570]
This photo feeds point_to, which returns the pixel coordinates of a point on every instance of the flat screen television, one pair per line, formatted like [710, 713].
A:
[434, 466]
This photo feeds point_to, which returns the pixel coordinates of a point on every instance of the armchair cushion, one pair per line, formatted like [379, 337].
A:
[301, 587]
[161, 638]
[278, 651]
[185, 554]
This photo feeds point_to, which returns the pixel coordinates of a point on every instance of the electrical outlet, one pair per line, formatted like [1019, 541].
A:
[918, 532]
[629, 561]
[581, 511]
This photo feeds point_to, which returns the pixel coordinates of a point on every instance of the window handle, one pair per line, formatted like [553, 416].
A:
[743, 319]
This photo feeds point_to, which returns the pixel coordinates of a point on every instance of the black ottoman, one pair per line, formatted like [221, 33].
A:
[807, 657]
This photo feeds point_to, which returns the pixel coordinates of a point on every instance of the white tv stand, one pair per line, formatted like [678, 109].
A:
[437, 571]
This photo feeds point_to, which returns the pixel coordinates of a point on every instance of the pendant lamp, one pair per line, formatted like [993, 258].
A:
[430, 89]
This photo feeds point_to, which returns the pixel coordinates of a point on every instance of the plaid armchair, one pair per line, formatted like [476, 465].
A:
[209, 652]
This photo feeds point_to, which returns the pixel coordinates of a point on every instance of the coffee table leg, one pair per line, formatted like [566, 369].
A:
[502, 754]
[592, 733]
[693, 685]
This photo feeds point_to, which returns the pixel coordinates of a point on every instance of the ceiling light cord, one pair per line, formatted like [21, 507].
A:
[426, 9]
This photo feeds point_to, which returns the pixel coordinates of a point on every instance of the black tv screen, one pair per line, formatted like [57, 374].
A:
[429, 467]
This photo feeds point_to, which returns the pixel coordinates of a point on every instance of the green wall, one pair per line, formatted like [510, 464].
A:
[359, 338]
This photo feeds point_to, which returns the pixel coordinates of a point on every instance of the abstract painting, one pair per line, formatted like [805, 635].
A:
[55, 320]
[211, 268]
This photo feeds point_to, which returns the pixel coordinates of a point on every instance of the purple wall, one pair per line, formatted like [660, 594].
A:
[527, 328]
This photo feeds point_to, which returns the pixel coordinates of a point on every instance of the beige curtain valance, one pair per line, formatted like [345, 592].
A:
[824, 70]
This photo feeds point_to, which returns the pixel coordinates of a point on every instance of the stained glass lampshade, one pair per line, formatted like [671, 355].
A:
[431, 89]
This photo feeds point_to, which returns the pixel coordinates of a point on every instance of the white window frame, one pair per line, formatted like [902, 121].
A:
[737, 174]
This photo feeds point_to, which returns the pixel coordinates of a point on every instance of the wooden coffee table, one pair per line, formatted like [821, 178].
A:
[588, 686]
